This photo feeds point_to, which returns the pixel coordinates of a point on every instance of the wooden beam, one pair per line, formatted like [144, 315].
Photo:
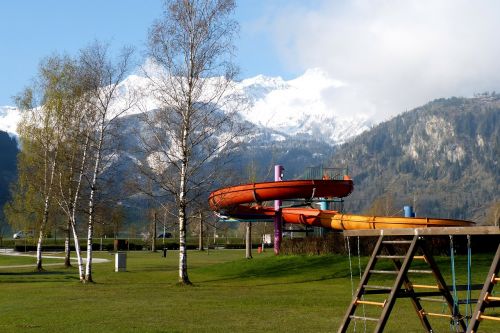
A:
[433, 231]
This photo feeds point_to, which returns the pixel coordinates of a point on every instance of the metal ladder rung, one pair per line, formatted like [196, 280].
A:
[433, 314]
[420, 271]
[383, 256]
[442, 300]
[366, 286]
[381, 304]
[363, 318]
[376, 271]
[397, 242]
[481, 317]
[431, 299]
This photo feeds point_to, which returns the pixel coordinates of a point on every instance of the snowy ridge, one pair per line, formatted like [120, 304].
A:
[300, 107]
[304, 106]
[9, 118]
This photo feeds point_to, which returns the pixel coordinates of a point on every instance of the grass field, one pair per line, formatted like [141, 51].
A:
[230, 294]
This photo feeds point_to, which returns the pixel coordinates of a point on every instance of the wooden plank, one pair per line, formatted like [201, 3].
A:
[487, 289]
[381, 304]
[408, 289]
[443, 288]
[400, 279]
[434, 231]
[359, 292]
[489, 318]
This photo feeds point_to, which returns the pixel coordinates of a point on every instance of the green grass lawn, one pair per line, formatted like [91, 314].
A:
[230, 294]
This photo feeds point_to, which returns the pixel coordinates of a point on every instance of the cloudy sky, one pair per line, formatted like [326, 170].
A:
[391, 55]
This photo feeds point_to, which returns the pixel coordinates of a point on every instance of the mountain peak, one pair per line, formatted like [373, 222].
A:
[298, 107]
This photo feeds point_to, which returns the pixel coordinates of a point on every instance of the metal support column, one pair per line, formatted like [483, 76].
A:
[278, 226]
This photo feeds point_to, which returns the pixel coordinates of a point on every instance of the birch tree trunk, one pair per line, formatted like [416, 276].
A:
[67, 244]
[102, 77]
[74, 206]
[183, 274]
[90, 225]
[45, 214]
[191, 44]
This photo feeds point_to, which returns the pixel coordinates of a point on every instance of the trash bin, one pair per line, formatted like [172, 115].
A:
[259, 249]
[120, 261]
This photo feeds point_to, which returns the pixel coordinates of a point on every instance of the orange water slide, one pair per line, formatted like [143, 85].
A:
[245, 202]
[282, 190]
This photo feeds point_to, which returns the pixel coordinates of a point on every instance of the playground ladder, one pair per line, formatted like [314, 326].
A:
[402, 286]
[486, 300]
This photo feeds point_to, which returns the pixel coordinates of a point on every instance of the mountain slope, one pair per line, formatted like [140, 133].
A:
[442, 157]
[8, 165]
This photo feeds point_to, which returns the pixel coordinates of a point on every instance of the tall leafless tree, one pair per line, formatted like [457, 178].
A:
[102, 77]
[191, 49]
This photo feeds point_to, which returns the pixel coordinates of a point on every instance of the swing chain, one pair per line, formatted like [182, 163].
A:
[454, 322]
[348, 246]
[359, 268]
[468, 306]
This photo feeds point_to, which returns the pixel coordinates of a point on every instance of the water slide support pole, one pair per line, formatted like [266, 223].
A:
[278, 230]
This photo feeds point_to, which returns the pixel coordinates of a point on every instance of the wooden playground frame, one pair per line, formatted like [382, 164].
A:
[413, 241]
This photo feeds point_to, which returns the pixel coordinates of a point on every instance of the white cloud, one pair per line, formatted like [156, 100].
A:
[393, 55]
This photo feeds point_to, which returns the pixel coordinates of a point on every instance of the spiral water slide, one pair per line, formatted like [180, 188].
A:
[246, 202]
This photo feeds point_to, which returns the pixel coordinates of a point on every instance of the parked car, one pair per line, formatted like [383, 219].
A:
[22, 234]
[165, 235]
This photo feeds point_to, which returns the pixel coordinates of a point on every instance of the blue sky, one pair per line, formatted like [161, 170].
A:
[389, 55]
[33, 29]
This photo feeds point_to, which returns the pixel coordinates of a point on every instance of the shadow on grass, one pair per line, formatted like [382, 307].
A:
[32, 276]
[297, 269]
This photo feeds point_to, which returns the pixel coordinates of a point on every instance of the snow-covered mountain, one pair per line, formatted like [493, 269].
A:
[300, 107]
[9, 118]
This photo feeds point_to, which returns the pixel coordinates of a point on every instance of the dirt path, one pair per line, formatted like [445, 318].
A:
[55, 255]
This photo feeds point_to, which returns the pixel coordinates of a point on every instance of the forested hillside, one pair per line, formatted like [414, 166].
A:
[8, 152]
[442, 157]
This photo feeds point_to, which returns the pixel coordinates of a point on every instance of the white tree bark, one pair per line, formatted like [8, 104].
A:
[45, 218]
[192, 46]
[74, 206]
[183, 275]
[103, 78]
[90, 225]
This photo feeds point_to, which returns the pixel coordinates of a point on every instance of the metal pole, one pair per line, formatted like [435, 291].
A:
[278, 230]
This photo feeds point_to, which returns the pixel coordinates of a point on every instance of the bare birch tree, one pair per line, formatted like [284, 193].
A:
[78, 129]
[102, 77]
[191, 47]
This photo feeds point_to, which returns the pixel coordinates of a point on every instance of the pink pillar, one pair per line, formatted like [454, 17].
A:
[278, 230]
